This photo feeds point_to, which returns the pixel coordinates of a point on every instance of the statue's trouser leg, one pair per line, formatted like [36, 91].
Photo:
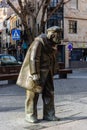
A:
[31, 106]
[48, 98]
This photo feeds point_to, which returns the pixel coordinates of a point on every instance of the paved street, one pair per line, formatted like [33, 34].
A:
[70, 105]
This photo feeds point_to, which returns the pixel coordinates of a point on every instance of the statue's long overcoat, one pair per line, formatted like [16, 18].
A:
[39, 60]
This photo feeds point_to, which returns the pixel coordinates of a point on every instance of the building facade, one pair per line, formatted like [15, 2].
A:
[75, 33]
[3, 15]
[72, 18]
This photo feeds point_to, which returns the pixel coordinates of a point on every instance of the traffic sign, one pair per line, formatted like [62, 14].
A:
[70, 46]
[16, 34]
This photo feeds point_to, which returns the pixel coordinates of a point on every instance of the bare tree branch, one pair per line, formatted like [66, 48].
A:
[28, 10]
[12, 6]
[39, 8]
[44, 9]
[20, 4]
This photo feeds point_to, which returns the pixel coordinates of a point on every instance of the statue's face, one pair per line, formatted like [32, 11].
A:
[56, 37]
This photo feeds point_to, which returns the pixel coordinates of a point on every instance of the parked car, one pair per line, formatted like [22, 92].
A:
[6, 59]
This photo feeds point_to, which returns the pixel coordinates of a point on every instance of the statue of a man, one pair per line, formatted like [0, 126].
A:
[39, 64]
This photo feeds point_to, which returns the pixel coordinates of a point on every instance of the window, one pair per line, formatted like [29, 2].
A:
[54, 22]
[74, 4]
[76, 54]
[72, 26]
[56, 19]
[53, 3]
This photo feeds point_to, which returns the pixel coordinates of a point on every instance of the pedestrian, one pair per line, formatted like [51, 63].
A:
[24, 47]
[38, 65]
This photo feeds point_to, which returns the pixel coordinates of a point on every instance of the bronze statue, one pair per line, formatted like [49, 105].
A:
[39, 64]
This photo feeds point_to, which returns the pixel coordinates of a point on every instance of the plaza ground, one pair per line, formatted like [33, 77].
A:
[70, 105]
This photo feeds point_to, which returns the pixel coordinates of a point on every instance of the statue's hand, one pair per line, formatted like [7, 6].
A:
[36, 79]
[38, 82]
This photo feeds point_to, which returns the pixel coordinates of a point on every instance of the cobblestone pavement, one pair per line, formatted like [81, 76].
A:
[70, 105]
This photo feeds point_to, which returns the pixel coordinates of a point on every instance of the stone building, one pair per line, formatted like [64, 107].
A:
[3, 15]
[72, 18]
[75, 33]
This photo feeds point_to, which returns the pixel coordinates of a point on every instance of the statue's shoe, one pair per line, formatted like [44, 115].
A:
[31, 119]
[54, 118]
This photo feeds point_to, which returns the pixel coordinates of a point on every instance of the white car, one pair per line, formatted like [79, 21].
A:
[6, 59]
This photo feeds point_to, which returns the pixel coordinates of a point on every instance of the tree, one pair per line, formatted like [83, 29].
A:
[27, 9]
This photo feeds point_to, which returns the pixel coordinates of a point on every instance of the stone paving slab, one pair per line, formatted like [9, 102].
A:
[76, 125]
[70, 105]
[70, 114]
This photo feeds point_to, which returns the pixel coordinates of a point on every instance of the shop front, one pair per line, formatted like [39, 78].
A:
[78, 58]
